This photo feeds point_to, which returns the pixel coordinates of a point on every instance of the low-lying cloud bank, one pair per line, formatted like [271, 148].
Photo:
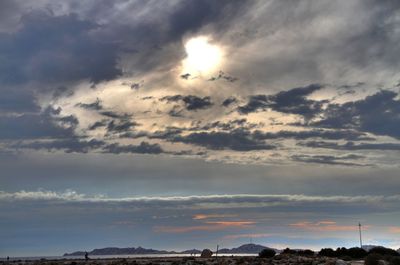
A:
[244, 200]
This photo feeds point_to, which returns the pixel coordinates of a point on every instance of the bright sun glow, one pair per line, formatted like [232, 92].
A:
[202, 56]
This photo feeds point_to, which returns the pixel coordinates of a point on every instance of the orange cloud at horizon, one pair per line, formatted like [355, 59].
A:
[246, 236]
[325, 226]
[394, 229]
[209, 226]
[232, 223]
[207, 216]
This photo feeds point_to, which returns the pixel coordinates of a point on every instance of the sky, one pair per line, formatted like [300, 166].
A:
[185, 124]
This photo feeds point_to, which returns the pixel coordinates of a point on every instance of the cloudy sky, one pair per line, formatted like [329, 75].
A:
[186, 124]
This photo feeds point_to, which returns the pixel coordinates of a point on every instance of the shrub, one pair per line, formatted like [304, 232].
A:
[289, 251]
[384, 251]
[394, 260]
[267, 253]
[306, 252]
[372, 259]
[357, 253]
[327, 252]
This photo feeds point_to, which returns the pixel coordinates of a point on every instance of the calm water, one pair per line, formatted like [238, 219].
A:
[117, 256]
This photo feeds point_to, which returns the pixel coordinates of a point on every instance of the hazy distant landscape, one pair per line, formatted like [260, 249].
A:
[245, 254]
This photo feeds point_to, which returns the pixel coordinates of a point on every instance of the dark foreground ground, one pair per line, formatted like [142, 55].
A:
[277, 260]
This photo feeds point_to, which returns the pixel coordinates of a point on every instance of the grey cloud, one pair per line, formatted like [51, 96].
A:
[16, 99]
[351, 145]
[38, 51]
[192, 103]
[91, 106]
[378, 114]
[227, 102]
[142, 148]
[47, 124]
[238, 200]
[255, 103]
[328, 159]
[185, 76]
[293, 101]
[315, 133]
[190, 15]
[176, 111]
[62, 91]
[97, 124]
[121, 126]
[72, 145]
[224, 76]
[116, 115]
[237, 140]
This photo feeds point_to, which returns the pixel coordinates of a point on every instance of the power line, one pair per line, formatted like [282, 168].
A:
[359, 229]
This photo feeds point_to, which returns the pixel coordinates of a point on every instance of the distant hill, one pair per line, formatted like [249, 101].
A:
[120, 251]
[369, 247]
[247, 248]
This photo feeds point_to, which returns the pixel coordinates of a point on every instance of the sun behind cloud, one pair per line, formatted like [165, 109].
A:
[202, 56]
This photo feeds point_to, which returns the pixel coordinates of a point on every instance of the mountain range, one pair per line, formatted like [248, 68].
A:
[247, 248]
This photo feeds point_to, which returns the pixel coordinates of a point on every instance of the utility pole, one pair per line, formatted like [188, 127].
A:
[216, 254]
[359, 229]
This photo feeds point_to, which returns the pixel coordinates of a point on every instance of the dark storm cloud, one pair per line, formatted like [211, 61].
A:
[142, 148]
[227, 102]
[316, 133]
[120, 126]
[62, 91]
[156, 42]
[255, 103]
[223, 76]
[293, 101]
[190, 15]
[91, 106]
[115, 115]
[185, 76]
[75, 145]
[225, 126]
[72, 145]
[328, 159]
[351, 145]
[192, 103]
[56, 49]
[176, 112]
[17, 100]
[97, 124]
[238, 140]
[47, 124]
[378, 114]
[238, 135]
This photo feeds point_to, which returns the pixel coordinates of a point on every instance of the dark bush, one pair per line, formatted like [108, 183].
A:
[267, 253]
[340, 252]
[289, 251]
[394, 260]
[372, 259]
[357, 253]
[327, 252]
[305, 252]
[383, 251]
